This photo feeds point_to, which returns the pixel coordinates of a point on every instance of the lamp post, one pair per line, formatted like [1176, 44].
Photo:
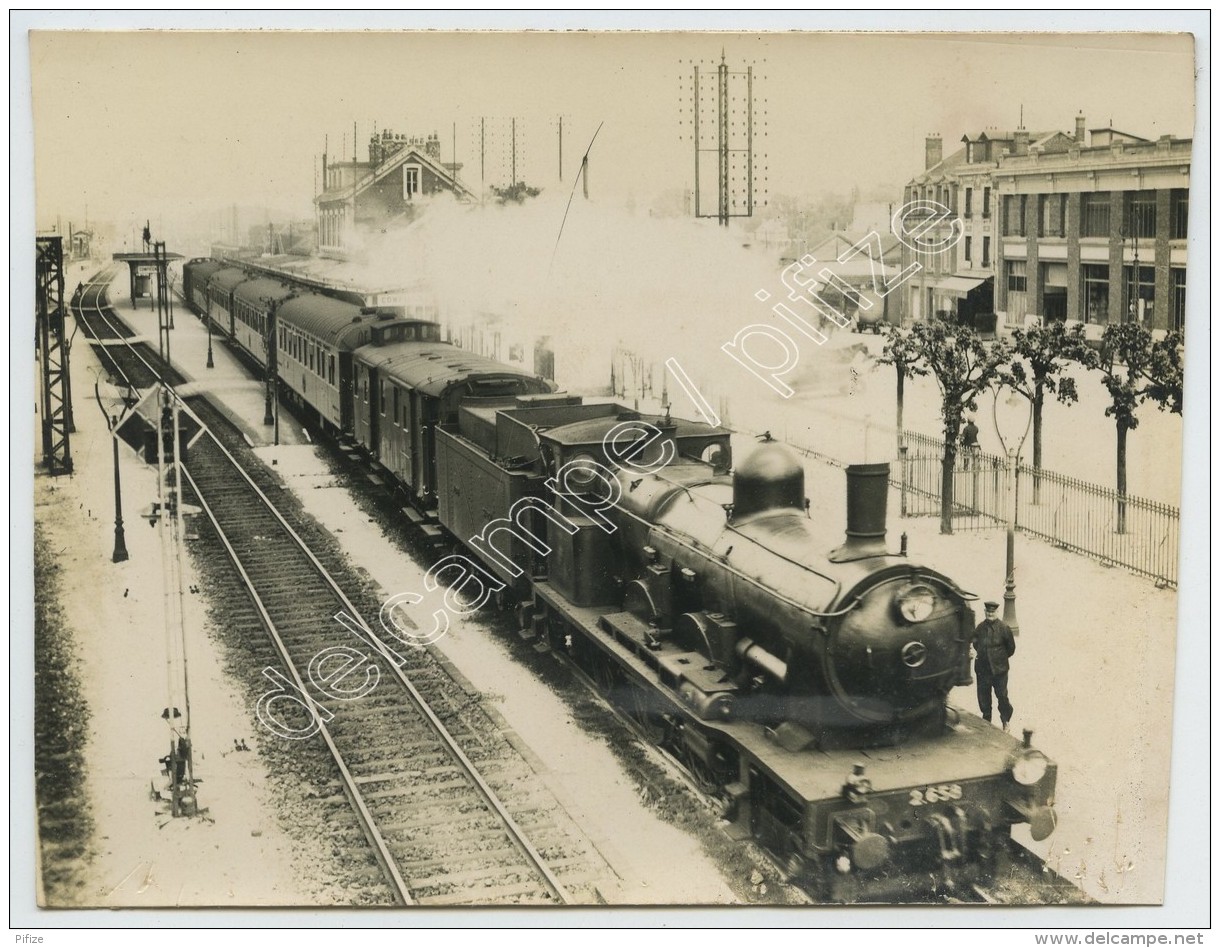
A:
[120, 538]
[1012, 414]
[207, 319]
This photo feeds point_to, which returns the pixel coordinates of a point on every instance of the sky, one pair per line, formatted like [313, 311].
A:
[131, 125]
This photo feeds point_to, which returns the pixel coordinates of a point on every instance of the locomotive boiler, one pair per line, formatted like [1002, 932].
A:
[852, 646]
[801, 677]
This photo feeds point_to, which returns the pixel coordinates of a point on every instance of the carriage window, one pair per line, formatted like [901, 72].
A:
[332, 370]
[366, 389]
[382, 387]
[396, 390]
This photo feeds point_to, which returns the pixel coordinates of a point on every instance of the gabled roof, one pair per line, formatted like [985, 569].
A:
[1053, 138]
[1114, 131]
[390, 165]
[941, 168]
[830, 248]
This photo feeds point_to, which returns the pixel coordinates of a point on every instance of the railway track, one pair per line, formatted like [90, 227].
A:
[128, 357]
[451, 813]
[433, 796]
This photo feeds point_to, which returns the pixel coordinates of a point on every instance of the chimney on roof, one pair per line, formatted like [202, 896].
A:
[1080, 128]
[934, 150]
[1020, 141]
[432, 147]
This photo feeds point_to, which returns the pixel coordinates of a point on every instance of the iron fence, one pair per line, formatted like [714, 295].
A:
[1132, 532]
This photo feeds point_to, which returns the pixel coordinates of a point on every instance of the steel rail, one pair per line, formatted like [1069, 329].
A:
[393, 660]
[368, 824]
[516, 835]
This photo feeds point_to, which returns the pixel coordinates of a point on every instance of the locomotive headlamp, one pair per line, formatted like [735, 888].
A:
[1029, 767]
[915, 602]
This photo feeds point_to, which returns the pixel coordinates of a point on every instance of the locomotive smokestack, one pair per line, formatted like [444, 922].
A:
[867, 492]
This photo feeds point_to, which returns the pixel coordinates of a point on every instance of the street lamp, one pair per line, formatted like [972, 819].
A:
[207, 318]
[1012, 414]
[120, 539]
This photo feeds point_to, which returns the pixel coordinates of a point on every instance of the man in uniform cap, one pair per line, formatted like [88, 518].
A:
[993, 646]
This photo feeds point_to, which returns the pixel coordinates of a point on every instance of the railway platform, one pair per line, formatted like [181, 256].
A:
[235, 854]
[244, 398]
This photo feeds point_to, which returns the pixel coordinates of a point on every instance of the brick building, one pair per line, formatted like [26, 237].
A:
[369, 194]
[1094, 231]
[1053, 225]
[960, 281]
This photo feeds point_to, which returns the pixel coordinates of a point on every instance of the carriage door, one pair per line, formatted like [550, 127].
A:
[346, 396]
[418, 452]
[376, 407]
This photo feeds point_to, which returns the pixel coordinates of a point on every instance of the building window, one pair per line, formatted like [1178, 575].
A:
[1053, 277]
[1140, 283]
[410, 181]
[1096, 292]
[1014, 215]
[986, 202]
[1177, 301]
[1018, 302]
[1095, 214]
[969, 199]
[1016, 276]
[968, 247]
[1141, 214]
[1052, 215]
[986, 251]
[1179, 204]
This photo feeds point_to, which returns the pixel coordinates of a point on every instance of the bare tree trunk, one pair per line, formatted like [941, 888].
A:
[1122, 478]
[946, 486]
[1038, 402]
[901, 379]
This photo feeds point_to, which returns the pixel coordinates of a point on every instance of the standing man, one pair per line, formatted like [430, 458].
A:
[993, 646]
[970, 442]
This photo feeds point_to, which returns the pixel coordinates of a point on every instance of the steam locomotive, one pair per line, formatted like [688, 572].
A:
[801, 678]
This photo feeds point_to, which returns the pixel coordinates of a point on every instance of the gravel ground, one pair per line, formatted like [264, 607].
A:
[61, 727]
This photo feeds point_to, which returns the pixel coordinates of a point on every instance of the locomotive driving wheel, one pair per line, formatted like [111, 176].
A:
[651, 723]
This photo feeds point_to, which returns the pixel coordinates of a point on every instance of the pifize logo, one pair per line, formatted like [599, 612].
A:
[345, 673]
[926, 227]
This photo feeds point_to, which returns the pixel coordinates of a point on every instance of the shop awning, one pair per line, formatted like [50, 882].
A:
[960, 286]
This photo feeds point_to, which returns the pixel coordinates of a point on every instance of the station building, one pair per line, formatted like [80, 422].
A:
[385, 188]
[959, 282]
[1089, 226]
[1095, 232]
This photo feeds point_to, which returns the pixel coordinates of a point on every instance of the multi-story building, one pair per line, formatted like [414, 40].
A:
[1055, 227]
[959, 281]
[1094, 232]
[368, 194]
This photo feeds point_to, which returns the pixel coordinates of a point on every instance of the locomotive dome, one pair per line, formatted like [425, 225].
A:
[770, 478]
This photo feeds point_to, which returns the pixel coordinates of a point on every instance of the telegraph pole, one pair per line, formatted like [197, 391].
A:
[734, 141]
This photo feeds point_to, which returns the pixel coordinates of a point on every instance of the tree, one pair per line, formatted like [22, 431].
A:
[1165, 373]
[1134, 369]
[516, 193]
[1041, 355]
[905, 356]
[964, 368]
